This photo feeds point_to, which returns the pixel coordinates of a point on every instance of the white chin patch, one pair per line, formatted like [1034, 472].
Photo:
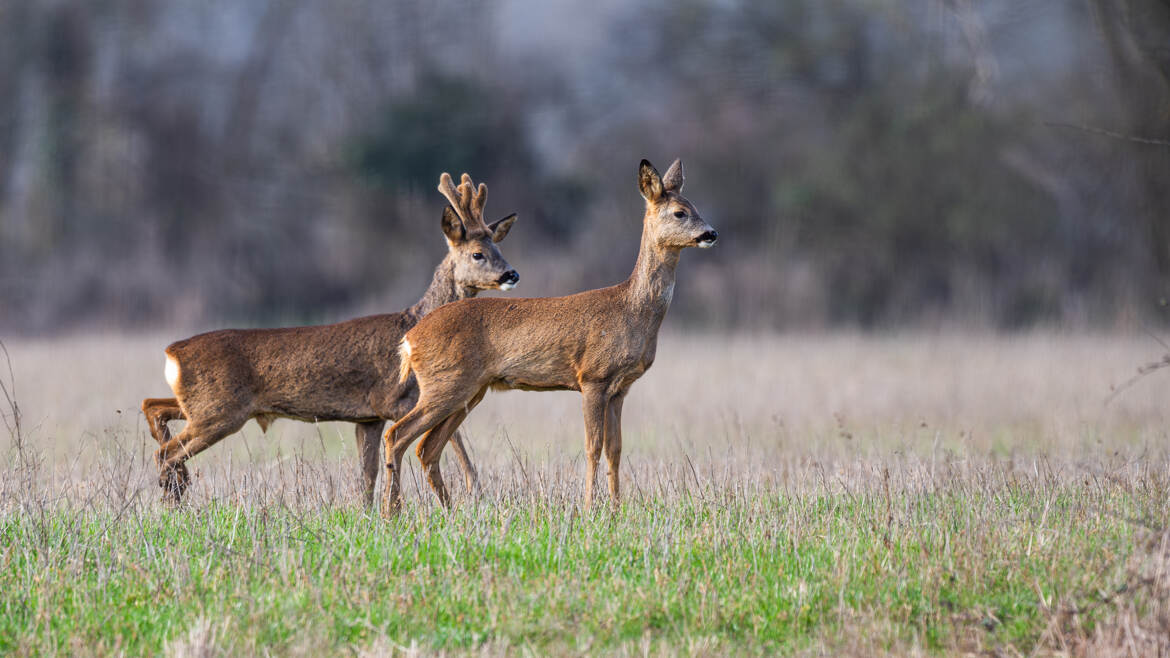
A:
[706, 244]
[507, 286]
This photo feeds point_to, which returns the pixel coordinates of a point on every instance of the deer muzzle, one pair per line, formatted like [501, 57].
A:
[508, 280]
[707, 239]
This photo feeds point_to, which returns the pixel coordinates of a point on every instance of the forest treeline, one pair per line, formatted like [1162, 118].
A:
[867, 164]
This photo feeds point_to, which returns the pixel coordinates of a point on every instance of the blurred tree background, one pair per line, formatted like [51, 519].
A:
[996, 163]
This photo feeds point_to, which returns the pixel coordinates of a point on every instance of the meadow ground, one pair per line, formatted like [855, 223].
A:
[839, 494]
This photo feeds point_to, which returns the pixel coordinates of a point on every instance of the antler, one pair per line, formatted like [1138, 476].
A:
[447, 189]
[465, 200]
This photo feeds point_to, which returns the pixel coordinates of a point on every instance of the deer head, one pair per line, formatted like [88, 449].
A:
[471, 243]
[673, 221]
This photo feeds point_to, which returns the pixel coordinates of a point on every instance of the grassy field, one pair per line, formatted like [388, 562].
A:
[833, 494]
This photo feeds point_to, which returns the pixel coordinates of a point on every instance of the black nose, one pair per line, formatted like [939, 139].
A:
[511, 276]
[709, 236]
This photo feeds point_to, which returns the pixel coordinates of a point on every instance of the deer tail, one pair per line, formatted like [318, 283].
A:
[403, 360]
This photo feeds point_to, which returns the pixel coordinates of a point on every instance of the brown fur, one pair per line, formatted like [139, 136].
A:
[346, 371]
[598, 342]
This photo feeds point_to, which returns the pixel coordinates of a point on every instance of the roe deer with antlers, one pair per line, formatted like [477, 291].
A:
[597, 342]
[347, 371]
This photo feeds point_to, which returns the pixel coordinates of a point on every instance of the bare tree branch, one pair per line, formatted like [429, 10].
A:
[1142, 371]
[1109, 133]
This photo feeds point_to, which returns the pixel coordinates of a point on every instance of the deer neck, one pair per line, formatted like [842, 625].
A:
[651, 285]
[443, 290]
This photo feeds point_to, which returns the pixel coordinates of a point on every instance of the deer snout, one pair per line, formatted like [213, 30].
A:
[508, 280]
[707, 239]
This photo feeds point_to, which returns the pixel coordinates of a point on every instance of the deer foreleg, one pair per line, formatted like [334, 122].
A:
[613, 445]
[367, 435]
[593, 405]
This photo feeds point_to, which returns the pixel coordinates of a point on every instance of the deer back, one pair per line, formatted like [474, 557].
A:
[342, 371]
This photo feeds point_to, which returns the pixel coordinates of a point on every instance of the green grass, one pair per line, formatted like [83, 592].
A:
[859, 566]
[1020, 512]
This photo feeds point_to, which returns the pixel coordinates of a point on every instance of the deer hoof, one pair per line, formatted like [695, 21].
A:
[174, 481]
[391, 509]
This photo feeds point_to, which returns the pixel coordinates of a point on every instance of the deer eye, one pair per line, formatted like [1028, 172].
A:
[477, 256]
[680, 213]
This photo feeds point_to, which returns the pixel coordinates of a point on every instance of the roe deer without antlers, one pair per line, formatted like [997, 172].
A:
[347, 371]
[597, 342]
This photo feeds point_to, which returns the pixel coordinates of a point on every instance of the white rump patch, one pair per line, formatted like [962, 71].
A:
[403, 360]
[171, 372]
[507, 286]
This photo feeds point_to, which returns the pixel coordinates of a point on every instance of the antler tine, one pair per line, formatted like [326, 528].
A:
[469, 200]
[480, 201]
[447, 189]
[464, 199]
[466, 188]
[457, 198]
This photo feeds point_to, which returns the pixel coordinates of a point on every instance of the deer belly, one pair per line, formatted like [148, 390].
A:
[507, 384]
[535, 380]
[320, 408]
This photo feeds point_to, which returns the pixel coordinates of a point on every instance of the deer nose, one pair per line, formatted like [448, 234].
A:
[511, 276]
[707, 239]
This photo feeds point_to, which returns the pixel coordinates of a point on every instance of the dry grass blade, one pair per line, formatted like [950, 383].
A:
[957, 515]
[1136, 619]
[11, 416]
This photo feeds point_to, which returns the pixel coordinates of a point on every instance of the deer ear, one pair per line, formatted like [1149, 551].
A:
[673, 179]
[452, 226]
[500, 228]
[649, 182]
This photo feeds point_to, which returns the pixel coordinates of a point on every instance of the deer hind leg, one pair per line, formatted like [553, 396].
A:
[431, 448]
[196, 437]
[594, 407]
[368, 437]
[613, 445]
[159, 412]
[398, 438]
[470, 477]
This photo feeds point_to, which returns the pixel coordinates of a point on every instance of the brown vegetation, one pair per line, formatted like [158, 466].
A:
[880, 164]
[840, 494]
